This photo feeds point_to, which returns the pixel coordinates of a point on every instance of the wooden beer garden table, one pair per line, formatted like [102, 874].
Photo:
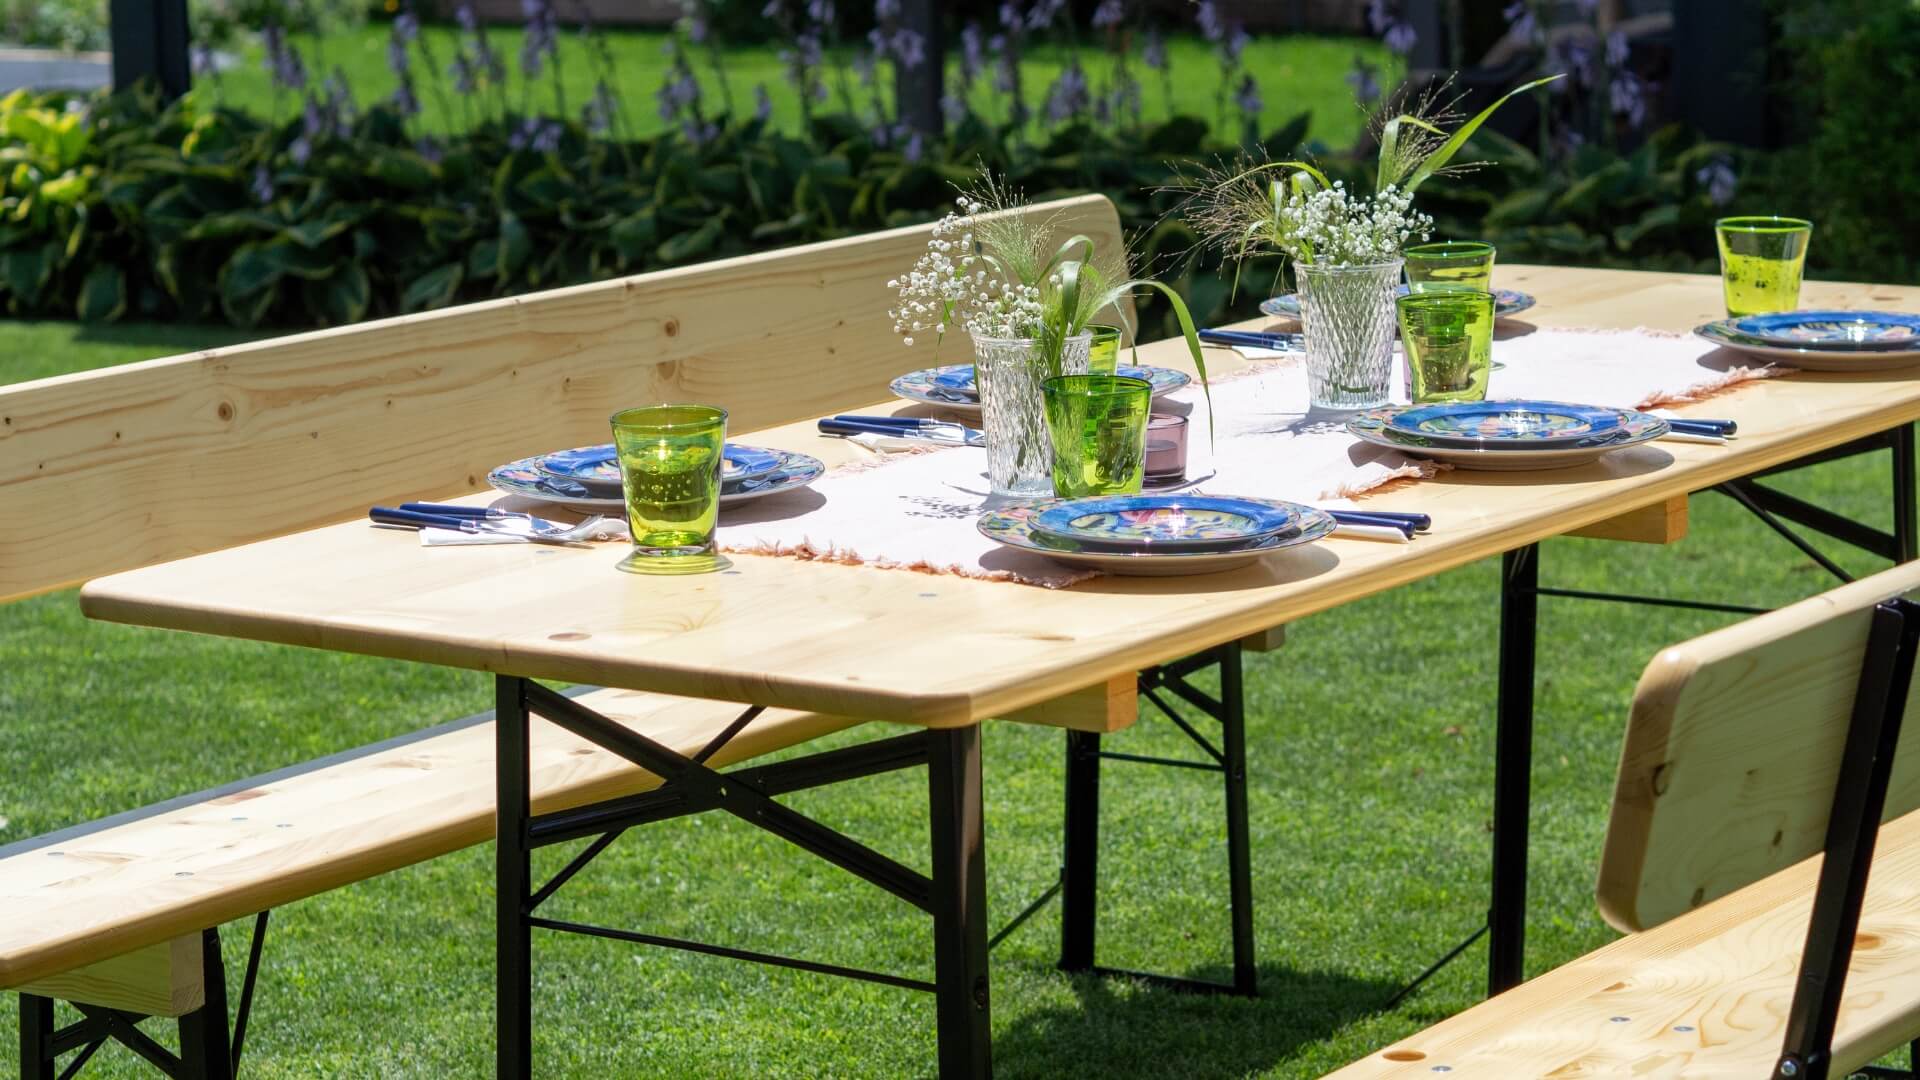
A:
[945, 653]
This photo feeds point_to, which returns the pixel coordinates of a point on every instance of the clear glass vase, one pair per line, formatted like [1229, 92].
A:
[1009, 373]
[1346, 313]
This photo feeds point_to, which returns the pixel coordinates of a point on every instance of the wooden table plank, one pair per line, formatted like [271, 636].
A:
[949, 651]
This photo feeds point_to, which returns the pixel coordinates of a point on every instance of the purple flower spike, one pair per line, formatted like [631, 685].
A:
[1400, 38]
[1211, 26]
[762, 102]
[1629, 98]
[1154, 52]
[1247, 96]
[1718, 178]
[1365, 81]
[973, 52]
[262, 186]
[909, 49]
[1520, 21]
[1067, 97]
[1618, 49]
[1109, 14]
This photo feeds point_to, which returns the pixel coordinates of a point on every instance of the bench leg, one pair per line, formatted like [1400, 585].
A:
[36, 1038]
[959, 904]
[205, 1052]
[513, 950]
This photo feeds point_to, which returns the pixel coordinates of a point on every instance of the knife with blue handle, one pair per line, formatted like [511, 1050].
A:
[946, 434]
[1254, 339]
[455, 510]
[1690, 426]
[1407, 523]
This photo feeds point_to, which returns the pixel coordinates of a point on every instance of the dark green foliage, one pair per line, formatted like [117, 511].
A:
[1650, 209]
[128, 209]
[1853, 78]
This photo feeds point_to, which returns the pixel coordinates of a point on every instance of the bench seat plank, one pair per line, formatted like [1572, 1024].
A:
[1725, 971]
[140, 882]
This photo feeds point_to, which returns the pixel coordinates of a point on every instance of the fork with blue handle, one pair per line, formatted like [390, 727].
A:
[486, 520]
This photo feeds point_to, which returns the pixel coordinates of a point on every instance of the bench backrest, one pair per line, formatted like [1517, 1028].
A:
[115, 469]
[1733, 751]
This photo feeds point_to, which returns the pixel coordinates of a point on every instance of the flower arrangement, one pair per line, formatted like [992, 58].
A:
[1243, 208]
[997, 271]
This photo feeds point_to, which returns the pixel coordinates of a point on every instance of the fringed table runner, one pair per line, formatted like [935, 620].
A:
[916, 511]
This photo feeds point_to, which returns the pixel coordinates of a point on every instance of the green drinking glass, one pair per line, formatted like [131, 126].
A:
[1103, 355]
[1448, 336]
[1098, 427]
[1451, 264]
[1761, 259]
[670, 463]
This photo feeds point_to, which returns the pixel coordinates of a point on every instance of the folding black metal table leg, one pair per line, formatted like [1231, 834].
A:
[37, 1061]
[961, 999]
[1080, 861]
[513, 855]
[1079, 867]
[1233, 747]
[1512, 768]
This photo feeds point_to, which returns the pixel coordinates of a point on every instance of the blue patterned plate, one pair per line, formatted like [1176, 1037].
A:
[1164, 522]
[1510, 425]
[599, 466]
[1635, 428]
[1013, 527]
[1505, 302]
[1835, 330]
[526, 478]
[1896, 355]
[952, 386]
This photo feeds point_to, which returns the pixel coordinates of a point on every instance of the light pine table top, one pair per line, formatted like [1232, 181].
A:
[948, 651]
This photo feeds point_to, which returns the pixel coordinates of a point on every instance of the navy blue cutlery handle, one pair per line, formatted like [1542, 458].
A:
[1704, 427]
[1250, 338]
[849, 427]
[1416, 522]
[913, 422]
[477, 513]
[388, 515]
[1353, 517]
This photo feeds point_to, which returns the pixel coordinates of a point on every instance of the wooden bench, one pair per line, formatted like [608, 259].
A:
[1759, 763]
[121, 468]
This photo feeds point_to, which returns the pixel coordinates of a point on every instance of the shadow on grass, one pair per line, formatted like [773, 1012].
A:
[170, 338]
[1129, 1028]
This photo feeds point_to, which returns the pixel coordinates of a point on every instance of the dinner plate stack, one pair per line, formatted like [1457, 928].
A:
[1822, 340]
[587, 478]
[1507, 435]
[1156, 535]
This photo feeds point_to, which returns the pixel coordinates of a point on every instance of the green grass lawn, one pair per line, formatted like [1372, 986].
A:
[1296, 73]
[1370, 738]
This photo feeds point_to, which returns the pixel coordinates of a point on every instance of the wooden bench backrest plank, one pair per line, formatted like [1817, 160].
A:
[1733, 750]
[120, 468]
